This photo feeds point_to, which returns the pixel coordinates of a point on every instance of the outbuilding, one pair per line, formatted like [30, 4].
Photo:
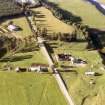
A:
[90, 73]
[13, 27]
[38, 68]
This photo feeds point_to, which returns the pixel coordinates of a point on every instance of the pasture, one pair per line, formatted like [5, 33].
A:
[45, 19]
[42, 89]
[101, 1]
[25, 59]
[77, 82]
[88, 13]
[29, 89]
[22, 23]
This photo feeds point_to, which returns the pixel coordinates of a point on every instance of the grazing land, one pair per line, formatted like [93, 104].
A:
[46, 19]
[85, 10]
[41, 89]
[22, 23]
[29, 89]
[77, 82]
[25, 59]
[101, 1]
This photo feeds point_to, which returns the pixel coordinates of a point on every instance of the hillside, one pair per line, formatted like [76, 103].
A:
[88, 13]
[50, 22]
[9, 7]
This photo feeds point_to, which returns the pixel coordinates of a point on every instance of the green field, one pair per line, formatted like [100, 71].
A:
[77, 82]
[84, 93]
[78, 50]
[21, 22]
[29, 89]
[88, 13]
[42, 89]
[52, 24]
[101, 1]
[24, 59]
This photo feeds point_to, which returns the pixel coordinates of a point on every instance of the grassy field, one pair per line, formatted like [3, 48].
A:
[101, 1]
[77, 82]
[78, 50]
[29, 89]
[50, 22]
[25, 59]
[41, 89]
[21, 22]
[89, 14]
[84, 93]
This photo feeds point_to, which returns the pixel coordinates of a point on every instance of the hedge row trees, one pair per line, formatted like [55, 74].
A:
[6, 45]
[9, 7]
[67, 37]
[29, 44]
[66, 17]
[10, 44]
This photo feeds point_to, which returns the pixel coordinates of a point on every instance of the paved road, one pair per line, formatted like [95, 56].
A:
[51, 64]
[56, 75]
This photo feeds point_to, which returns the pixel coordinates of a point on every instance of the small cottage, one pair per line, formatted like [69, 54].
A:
[38, 68]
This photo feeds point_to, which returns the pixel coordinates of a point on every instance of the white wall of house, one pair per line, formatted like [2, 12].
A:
[37, 68]
[27, 1]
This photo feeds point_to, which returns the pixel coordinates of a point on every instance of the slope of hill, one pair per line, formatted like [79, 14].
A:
[9, 7]
[87, 12]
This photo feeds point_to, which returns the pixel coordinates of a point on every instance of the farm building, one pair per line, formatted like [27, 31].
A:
[12, 27]
[38, 68]
[32, 2]
[90, 73]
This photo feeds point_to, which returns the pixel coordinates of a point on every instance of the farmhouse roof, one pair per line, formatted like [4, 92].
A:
[12, 27]
[42, 65]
